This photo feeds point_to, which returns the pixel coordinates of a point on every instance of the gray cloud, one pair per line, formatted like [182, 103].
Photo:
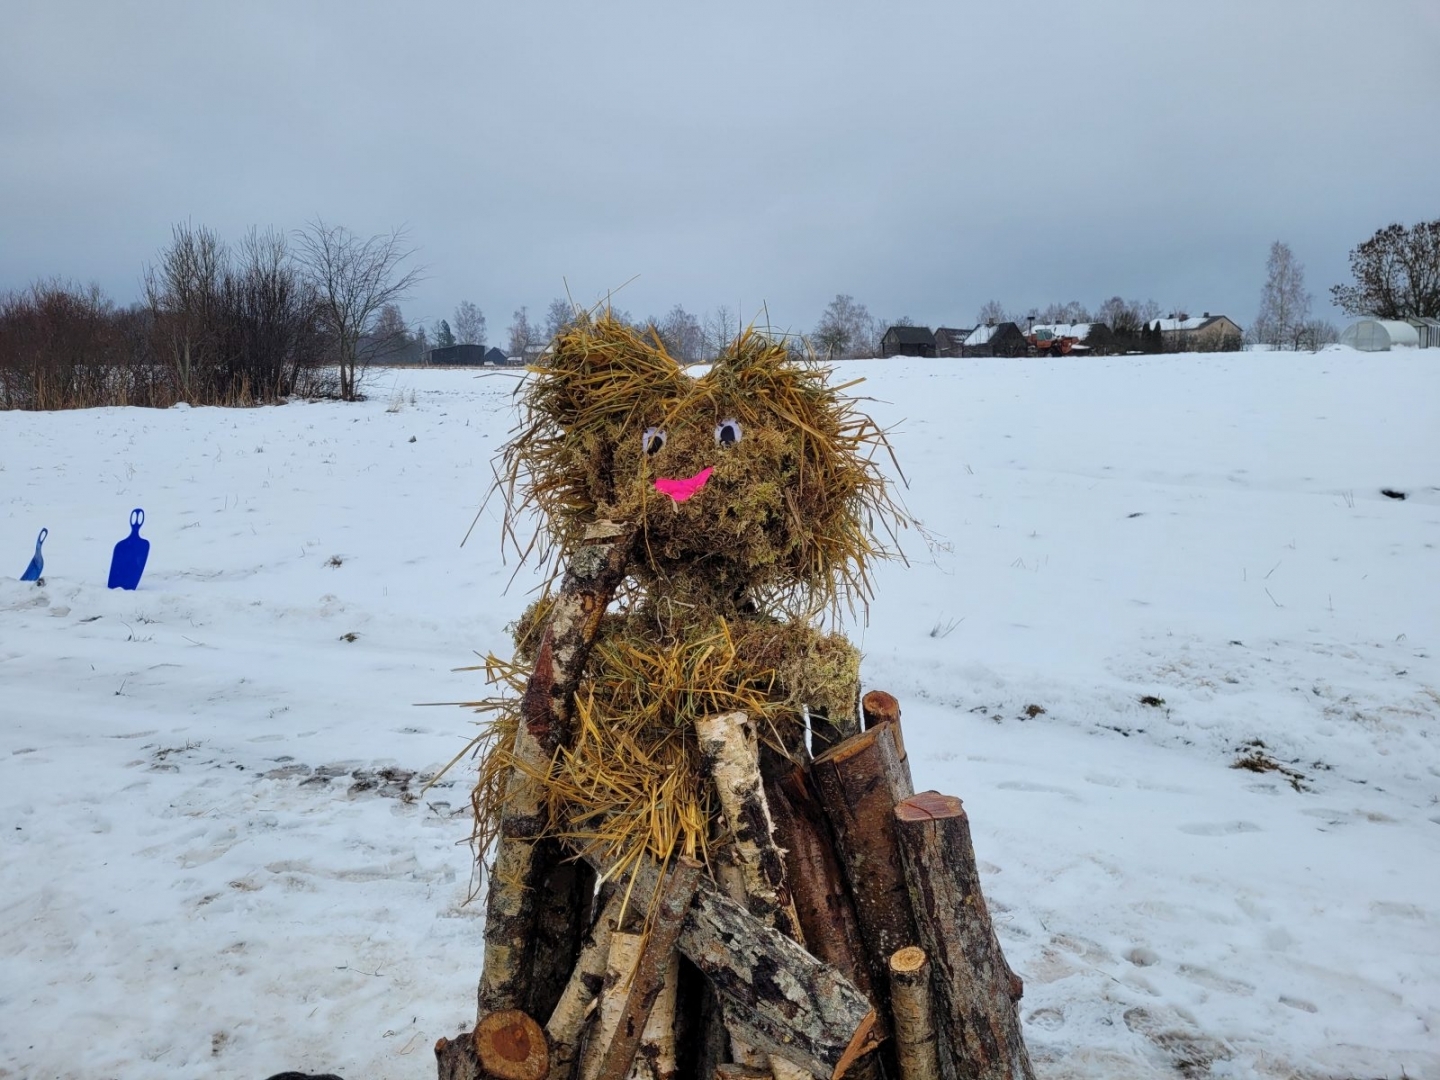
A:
[925, 157]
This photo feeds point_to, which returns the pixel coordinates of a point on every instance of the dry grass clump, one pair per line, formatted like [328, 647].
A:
[630, 782]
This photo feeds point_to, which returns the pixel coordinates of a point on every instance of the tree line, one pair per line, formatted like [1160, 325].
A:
[220, 324]
[276, 315]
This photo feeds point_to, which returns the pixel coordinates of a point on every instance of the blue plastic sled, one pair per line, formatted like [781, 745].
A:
[128, 562]
[37, 564]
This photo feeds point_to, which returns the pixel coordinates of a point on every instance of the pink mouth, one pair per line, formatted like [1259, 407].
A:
[680, 490]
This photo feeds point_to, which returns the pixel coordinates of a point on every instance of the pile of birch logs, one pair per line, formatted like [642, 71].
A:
[843, 932]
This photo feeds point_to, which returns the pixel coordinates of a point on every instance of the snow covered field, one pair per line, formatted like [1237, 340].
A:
[216, 860]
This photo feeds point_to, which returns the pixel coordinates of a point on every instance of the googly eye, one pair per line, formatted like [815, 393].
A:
[653, 440]
[727, 432]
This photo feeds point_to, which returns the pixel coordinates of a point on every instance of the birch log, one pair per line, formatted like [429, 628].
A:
[976, 991]
[566, 1025]
[916, 1045]
[523, 859]
[731, 754]
[619, 970]
[796, 1006]
[657, 1057]
[650, 975]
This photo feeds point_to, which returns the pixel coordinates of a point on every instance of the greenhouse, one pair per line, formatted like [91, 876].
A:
[1381, 335]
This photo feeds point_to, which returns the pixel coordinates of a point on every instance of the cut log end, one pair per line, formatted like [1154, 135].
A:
[907, 961]
[929, 806]
[512, 1046]
[850, 748]
[878, 707]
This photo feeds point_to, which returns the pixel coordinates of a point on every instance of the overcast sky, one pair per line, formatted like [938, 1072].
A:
[924, 157]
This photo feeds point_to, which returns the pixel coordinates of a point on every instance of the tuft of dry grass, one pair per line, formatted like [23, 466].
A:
[630, 782]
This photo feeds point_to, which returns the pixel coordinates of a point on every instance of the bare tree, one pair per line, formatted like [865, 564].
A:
[522, 333]
[1284, 303]
[183, 292]
[558, 316]
[354, 279]
[721, 327]
[1070, 312]
[682, 334]
[469, 324]
[992, 312]
[1397, 274]
[268, 324]
[390, 324]
[845, 329]
[1316, 334]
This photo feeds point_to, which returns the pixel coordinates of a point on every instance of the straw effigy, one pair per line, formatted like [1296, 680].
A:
[720, 609]
[695, 851]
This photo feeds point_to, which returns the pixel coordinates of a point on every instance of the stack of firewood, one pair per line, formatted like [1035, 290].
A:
[839, 929]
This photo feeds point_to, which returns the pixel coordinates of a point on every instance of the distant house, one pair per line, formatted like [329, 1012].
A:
[908, 341]
[1382, 335]
[995, 339]
[948, 340]
[1208, 333]
[466, 356]
[458, 356]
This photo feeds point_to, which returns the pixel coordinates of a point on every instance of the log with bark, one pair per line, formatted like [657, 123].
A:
[523, 859]
[455, 1059]
[916, 1041]
[859, 783]
[817, 884]
[787, 1002]
[976, 990]
[564, 902]
[730, 753]
[566, 1025]
[654, 973]
[880, 707]
[620, 966]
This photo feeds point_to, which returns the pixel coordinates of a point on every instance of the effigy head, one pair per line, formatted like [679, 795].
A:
[755, 483]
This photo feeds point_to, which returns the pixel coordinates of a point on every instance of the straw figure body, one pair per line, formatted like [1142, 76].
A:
[756, 502]
[643, 786]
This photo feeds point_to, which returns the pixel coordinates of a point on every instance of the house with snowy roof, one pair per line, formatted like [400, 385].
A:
[995, 339]
[949, 340]
[1208, 333]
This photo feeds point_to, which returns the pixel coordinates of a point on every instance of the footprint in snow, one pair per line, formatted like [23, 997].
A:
[1043, 789]
[1220, 828]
